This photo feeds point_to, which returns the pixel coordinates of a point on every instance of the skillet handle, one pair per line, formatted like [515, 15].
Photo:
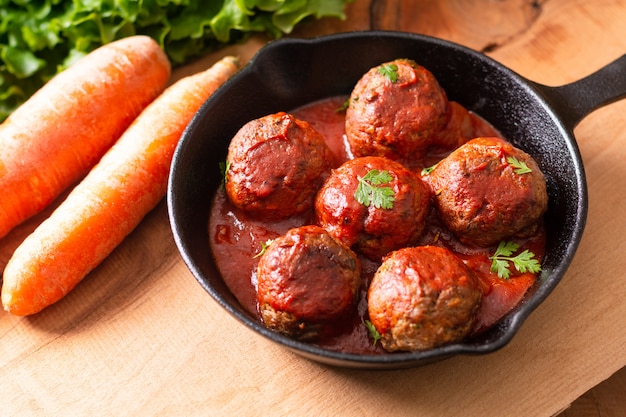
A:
[576, 100]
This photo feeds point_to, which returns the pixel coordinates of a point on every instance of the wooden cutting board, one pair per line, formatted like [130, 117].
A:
[139, 336]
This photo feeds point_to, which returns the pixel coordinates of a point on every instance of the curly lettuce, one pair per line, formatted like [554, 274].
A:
[40, 38]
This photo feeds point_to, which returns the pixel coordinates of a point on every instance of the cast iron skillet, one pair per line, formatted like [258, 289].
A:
[291, 72]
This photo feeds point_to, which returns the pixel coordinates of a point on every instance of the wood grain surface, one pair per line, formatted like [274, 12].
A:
[140, 337]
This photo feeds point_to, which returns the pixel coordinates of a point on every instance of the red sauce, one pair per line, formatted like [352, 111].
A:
[236, 238]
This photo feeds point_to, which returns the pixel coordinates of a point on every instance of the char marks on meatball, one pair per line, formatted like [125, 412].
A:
[484, 195]
[395, 109]
[423, 297]
[307, 282]
[275, 166]
[370, 230]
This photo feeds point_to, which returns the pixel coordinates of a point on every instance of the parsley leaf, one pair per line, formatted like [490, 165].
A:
[373, 332]
[523, 262]
[344, 106]
[264, 246]
[390, 71]
[520, 166]
[370, 190]
[428, 170]
[224, 167]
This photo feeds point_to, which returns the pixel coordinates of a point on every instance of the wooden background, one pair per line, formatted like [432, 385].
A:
[140, 337]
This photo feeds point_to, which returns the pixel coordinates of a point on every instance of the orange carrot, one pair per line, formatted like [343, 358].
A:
[55, 137]
[105, 207]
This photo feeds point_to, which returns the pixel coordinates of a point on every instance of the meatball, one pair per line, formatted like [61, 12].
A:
[457, 129]
[484, 196]
[361, 225]
[307, 282]
[423, 297]
[276, 164]
[395, 117]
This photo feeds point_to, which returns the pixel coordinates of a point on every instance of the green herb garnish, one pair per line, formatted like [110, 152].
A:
[520, 166]
[390, 71]
[523, 262]
[371, 190]
[344, 106]
[373, 332]
[224, 167]
[428, 170]
[264, 246]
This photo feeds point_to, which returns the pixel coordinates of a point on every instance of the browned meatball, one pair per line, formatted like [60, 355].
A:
[423, 297]
[461, 126]
[307, 281]
[368, 229]
[276, 165]
[395, 118]
[483, 197]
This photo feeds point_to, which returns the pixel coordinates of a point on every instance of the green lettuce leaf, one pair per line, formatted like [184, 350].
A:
[40, 38]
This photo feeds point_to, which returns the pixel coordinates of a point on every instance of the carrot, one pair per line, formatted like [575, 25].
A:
[54, 138]
[109, 202]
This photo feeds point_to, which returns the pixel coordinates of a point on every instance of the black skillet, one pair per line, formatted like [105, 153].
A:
[291, 72]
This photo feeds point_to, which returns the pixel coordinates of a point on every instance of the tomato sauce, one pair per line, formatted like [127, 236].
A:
[236, 239]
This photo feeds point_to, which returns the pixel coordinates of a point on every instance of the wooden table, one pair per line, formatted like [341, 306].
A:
[139, 336]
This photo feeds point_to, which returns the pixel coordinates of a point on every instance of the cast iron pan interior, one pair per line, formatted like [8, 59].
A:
[288, 73]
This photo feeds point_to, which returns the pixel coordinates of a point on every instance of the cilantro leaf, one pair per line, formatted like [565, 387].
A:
[371, 191]
[506, 249]
[428, 170]
[224, 167]
[526, 262]
[373, 332]
[520, 167]
[389, 71]
[264, 246]
[502, 259]
[344, 106]
[501, 267]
